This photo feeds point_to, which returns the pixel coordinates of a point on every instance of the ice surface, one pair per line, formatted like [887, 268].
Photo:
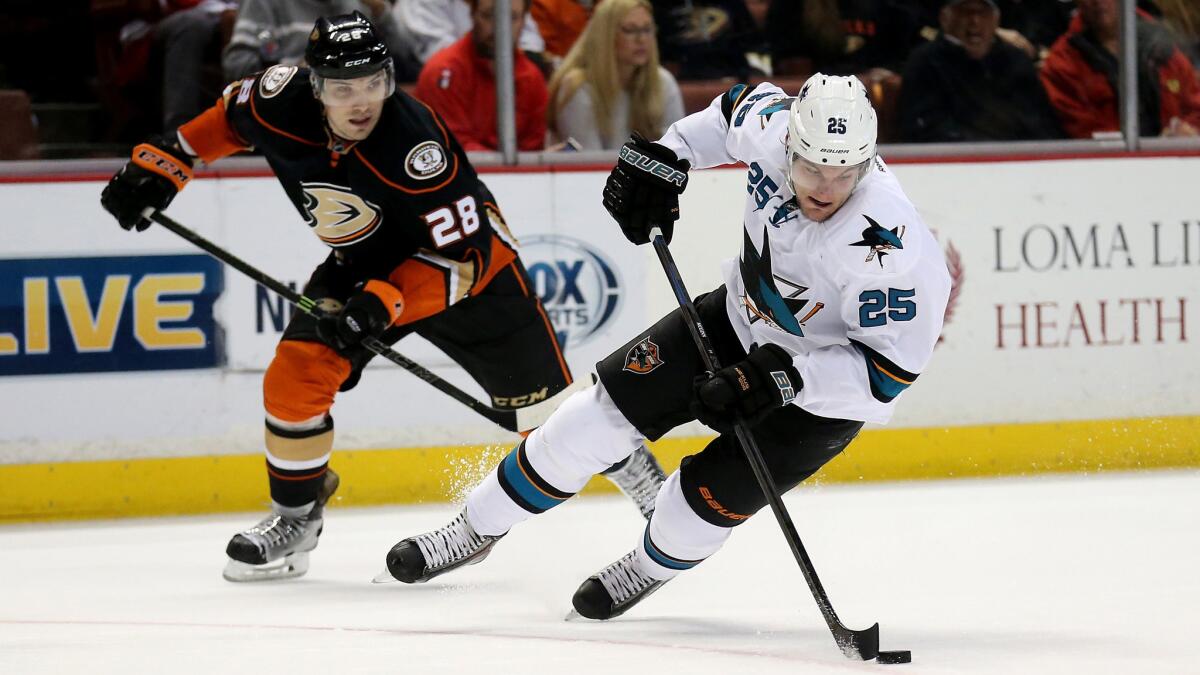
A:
[1078, 574]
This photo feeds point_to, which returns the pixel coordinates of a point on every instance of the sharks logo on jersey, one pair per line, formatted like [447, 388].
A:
[643, 357]
[778, 105]
[764, 299]
[785, 212]
[880, 240]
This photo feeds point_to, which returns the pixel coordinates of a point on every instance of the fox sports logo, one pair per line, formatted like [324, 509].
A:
[577, 284]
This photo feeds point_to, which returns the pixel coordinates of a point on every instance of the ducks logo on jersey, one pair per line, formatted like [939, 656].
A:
[337, 215]
[880, 240]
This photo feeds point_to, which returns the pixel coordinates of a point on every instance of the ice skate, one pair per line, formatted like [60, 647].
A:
[278, 546]
[639, 477]
[418, 559]
[613, 590]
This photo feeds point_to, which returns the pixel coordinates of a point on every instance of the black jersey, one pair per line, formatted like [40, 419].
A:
[404, 205]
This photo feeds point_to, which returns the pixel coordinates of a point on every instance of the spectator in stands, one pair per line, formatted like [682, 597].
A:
[268, 32]
[1033, 25]
[433, 25]
[1081, 75]
[705, 39]
[186, 41]
[967, 85]
[459, 82]
[840, 37]
[758, 47]
[560, 22]
[153, 59]
[611, 83]
[1029, 25]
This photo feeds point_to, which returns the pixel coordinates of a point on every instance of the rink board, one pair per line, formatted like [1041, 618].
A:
[438, 474]
[130, 366]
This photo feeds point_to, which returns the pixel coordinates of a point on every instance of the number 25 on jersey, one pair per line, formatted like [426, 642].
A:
[878, 308]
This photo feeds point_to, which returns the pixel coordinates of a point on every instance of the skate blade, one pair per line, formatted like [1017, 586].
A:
[384, 577]
[288, 567]
[576, 617]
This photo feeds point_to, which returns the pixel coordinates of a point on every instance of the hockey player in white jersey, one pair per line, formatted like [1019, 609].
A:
[831, 311]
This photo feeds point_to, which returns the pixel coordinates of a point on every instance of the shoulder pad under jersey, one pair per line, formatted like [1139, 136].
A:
[279, 100]
[411, 148]
[877, 232]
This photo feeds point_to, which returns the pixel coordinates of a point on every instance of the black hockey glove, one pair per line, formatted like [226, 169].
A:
[753, 388]
[364, 314]
[158, 170]
[644, 187]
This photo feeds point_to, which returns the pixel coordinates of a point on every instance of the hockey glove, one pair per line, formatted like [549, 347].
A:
[364, 314]
[752, 389]
[643, 189]
[158, 170]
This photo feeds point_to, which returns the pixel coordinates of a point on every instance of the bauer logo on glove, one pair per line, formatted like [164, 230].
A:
[653, 166]
[642, 191]
[785, 386]
[749, 390]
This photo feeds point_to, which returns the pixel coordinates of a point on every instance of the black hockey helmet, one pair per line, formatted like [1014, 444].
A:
[345, 46]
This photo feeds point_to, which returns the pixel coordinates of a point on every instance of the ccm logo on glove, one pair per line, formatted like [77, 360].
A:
[152, 159]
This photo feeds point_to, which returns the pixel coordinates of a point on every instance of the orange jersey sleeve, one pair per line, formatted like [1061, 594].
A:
[210, 135]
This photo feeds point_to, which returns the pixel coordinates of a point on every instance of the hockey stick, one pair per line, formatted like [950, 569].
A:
[863, 644]
[520, 419]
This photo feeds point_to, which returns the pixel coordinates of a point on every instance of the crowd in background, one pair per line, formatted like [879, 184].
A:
[589, 72]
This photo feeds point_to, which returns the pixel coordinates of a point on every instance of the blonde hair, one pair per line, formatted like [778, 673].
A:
[592, 60]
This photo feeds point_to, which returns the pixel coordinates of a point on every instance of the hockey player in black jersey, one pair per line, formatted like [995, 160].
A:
[418, 246]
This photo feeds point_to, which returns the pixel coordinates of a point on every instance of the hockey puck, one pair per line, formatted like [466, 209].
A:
[894, 657]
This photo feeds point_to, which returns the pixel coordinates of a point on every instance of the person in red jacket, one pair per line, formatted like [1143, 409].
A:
[459, 82]
[1081, 74]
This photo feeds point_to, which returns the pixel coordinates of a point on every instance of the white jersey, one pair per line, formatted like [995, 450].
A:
[858, 300]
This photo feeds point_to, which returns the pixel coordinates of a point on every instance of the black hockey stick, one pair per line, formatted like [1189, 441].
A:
[863, 644]
[520, 419]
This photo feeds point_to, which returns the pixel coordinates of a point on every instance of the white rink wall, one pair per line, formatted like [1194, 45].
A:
[1079, 282]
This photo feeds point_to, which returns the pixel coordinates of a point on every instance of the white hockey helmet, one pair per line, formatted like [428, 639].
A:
[832, 122]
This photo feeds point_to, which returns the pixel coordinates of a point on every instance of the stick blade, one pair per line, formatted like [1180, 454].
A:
[859, 644]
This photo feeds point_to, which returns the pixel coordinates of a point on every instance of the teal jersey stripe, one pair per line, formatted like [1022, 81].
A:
[665, 560]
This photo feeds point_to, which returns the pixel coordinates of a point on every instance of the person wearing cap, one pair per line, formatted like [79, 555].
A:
[418, 245]
[1030, 25]
[828, 313]
[968, 85]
